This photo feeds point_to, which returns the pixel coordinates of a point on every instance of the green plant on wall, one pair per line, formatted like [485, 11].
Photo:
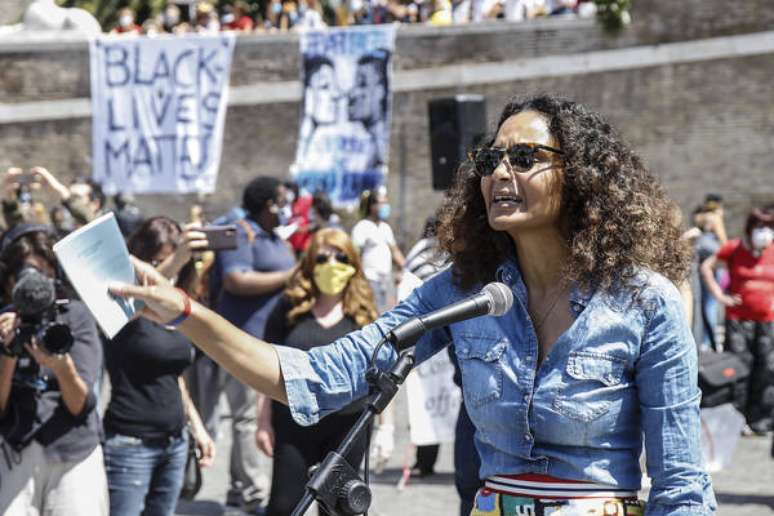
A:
[613, 14]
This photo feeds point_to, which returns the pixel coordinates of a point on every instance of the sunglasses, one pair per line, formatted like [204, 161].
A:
[521, 157]
[339, 257]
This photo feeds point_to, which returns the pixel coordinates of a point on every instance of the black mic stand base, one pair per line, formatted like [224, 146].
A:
[335, 484]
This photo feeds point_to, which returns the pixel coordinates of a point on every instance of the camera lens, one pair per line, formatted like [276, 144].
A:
[57, 339]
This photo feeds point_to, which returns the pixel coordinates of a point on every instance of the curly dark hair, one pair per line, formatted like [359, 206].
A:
[615, 216]
[15, 254]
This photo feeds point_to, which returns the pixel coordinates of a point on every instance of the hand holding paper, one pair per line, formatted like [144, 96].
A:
[162, 301]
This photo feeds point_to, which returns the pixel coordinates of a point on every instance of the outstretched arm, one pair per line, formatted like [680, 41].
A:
[313, 383]
[250, 360]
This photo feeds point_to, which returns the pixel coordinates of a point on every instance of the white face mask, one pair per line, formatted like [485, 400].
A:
[125, 21]
[761, 238]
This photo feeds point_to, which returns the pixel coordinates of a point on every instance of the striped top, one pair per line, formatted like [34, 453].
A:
[535, 485]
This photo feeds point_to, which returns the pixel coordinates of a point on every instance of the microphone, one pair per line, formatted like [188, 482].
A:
[494, 299]
[33, 293]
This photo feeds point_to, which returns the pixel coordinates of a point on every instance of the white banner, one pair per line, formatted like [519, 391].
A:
[159, 107]
[433, 398]
[343, 142]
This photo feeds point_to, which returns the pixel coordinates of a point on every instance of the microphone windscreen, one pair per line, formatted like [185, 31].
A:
[33, 293]
[501, 296]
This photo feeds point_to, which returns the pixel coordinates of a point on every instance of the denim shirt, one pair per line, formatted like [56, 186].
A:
[626, 367]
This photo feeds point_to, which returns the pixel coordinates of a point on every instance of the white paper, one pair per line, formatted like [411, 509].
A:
[93, 257]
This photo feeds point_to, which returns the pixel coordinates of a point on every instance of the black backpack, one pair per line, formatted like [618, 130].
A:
[721, 379]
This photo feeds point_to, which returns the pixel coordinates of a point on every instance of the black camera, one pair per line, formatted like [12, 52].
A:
[52, 336]
[34, 298]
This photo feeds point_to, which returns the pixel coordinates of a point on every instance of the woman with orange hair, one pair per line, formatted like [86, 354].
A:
[326, 298]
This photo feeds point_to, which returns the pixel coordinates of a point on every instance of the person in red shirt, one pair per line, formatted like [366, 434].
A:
[750, 310]
[300, 203]
[236, 18]
[126, 24]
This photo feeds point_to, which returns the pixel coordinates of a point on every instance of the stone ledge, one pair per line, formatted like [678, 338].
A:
[457, 76]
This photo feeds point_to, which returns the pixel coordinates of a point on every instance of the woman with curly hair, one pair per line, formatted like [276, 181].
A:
[594, 355]
[326, 298]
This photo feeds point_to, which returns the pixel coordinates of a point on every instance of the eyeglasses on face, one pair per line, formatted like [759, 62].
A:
[339, 257]
[521, 157]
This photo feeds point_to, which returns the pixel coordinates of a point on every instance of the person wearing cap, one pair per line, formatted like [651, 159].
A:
[48, 419]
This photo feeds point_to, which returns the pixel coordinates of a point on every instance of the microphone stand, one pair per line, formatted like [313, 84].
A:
[335, 484]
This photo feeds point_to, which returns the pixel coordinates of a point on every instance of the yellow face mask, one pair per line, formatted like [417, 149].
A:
[332, 277]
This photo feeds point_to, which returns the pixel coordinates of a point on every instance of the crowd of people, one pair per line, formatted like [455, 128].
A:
[283, 15]
[738, 275]
[596, 350]
[295, 276]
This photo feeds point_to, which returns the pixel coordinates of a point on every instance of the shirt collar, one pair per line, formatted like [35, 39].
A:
[259, 231]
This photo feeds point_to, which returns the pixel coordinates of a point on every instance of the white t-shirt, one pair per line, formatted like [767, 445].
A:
[374, 241]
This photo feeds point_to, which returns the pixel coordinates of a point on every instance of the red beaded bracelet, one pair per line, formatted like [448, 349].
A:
[186, 310]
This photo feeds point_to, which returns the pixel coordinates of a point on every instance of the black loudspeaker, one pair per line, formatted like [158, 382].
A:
[456, 125]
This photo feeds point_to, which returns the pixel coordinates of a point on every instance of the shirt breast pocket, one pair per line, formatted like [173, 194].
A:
[592, 384]
[482, 370]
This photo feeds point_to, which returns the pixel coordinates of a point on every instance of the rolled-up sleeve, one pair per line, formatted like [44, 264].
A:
[669, 402]
[326, 378]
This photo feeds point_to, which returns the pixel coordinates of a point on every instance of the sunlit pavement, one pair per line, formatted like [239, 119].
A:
[746, 488]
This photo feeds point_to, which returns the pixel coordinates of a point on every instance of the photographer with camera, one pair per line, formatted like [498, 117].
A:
[51, 455]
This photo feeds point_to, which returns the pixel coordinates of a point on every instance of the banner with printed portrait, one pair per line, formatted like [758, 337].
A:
[159, 107]
[344, 137]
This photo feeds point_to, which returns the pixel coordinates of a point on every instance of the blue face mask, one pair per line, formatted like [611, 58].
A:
[276, 8]
[384, 212]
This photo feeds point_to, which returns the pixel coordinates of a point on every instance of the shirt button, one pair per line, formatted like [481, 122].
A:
[526, 398]
[528, 436]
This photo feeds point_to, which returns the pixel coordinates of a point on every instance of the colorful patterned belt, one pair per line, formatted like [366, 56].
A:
[548, 487]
